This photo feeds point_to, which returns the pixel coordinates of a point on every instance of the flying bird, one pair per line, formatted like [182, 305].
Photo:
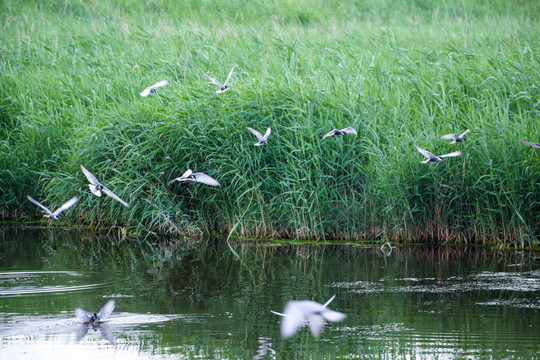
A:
[305, 312]
[262, 139]
[96, 187]
[92, 319]
[189, 175]
[432, 158]
[152, 89]
[222, 87]
[335, 132]
[456, 138]
[54, 215]
[531, 144]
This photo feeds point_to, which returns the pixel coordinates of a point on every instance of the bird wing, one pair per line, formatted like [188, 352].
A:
[146, 92]
[530, 144]
[205, 179]
[331, 315]
[267, 133]
[465, 133]
[452, 154]
[111, 194]
[149, 89]
[256, 133]
[425, 153]
[449, 137]
[212, 79]
[315, 323]
[228, 77]
[93, 180]
[107, 334]
[292, 320]
[173, 180]
[66, 205]
[331, 133]
[82, 332]
[160, 84]
[329, 301]
[39, 204]
[106, 310]
[187, 173]
[82, 315]
[350, 130]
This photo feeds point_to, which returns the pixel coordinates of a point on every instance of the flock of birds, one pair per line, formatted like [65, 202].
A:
[296, 315]
[97, 188]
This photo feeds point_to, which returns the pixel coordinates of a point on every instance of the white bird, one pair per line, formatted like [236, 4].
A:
[456, 138]
[335, 132]
[96, 187]
[432, 158]
[531, 144]
[306, 312]
[222, 87]
[94, 318]
[54, 215]
[189, 175]
[262, 139]
[152, 89]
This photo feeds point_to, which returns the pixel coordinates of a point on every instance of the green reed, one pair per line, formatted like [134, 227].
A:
[400, 73]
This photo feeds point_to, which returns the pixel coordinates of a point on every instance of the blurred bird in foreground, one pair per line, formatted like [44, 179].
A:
[94, 318]
[306, 312]
[95, 321]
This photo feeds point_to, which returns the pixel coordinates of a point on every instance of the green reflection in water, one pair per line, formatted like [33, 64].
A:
[194, 298]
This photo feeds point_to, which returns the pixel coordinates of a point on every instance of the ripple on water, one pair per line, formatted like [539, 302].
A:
[39, 282]
[23, 325]
[528, 281]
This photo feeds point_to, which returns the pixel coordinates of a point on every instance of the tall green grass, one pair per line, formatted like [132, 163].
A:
[401, 73]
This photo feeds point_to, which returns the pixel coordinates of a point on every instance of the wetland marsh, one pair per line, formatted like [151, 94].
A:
[401, 73]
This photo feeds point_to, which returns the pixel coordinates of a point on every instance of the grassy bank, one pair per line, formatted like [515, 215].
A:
[401, 73]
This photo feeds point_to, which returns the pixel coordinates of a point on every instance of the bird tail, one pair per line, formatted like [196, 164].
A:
[334, 316]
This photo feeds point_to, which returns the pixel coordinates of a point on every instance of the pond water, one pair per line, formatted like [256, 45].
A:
[205, 299]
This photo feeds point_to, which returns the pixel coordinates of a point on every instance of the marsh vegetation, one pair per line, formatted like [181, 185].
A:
[400, 73]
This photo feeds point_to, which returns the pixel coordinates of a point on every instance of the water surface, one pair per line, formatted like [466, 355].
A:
[198, 299]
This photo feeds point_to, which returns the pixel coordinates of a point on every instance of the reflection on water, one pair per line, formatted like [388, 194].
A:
[103, 329]
[196, 299]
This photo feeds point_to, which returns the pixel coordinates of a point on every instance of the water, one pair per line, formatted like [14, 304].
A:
[197, 299]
